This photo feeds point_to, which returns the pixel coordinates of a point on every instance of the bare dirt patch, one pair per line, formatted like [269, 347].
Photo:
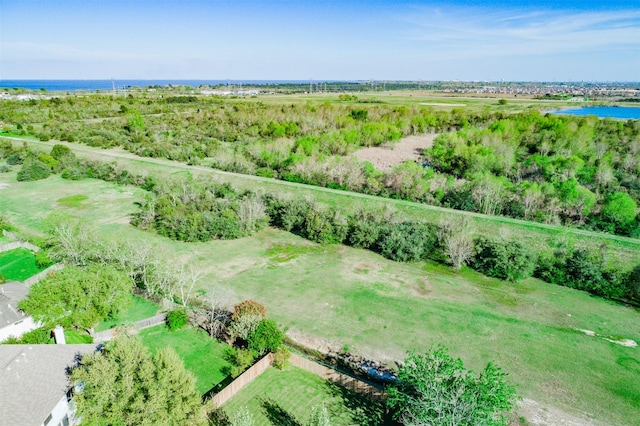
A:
[386, 157]
[537, 414]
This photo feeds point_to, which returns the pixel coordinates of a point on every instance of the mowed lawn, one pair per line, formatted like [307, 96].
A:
[380, 309]
[288, 397]
[138, 309]
[202, 355]
[18, 264]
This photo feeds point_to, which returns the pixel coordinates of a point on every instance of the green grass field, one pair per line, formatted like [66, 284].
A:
[381, 308]
[137, 310]
[18, 264]
[287, 397]
[202, 355]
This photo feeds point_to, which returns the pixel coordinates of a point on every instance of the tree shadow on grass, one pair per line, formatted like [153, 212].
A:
[276, 414]
[363, 410]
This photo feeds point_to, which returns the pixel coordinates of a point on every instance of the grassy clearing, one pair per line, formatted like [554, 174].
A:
[202, 355]
[287, 398]
[137, 310]
[381, 308]
[72, 201]
[18, 264]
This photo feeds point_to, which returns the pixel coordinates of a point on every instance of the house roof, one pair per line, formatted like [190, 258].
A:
[10, 294]
[34, 379]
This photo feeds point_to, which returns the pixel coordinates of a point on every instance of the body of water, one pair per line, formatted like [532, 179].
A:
[73, 85]
[625, 113]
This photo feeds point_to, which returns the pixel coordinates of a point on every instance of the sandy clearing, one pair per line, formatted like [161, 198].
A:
[3, 185]
[385, 158]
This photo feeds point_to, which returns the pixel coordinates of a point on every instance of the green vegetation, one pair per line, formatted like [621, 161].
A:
[135, 310]
[436, 389]
[73, 201]
[202, 355]
[288, 396]
[177, 319]
[358, 298]
[18, 264]
[78, 297]
[116, 383]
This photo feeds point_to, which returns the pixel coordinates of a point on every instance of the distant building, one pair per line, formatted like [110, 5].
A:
[34, 383]
[13, 322]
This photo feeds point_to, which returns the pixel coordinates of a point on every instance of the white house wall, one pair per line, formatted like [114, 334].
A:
[18, 328]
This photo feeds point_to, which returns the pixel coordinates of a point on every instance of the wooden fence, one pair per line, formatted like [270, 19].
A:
[18, 244]
[338, 378]
[103, 336]
[242, 380]
[37, 277]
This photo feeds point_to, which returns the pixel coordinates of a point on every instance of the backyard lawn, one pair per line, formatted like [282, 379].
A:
[137, 310]
[18, 264]
[202, 355]
[288, 397]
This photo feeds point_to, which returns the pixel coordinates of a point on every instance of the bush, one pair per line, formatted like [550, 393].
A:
[5, 168]
[36, 337]
[15, 159]
[266, 338]
[407, 241]
[281, 357]
[42, 259]
[240, 360]
[507, 260]
[33, 170]
[74, 173]
[177, 319]
[248, 307]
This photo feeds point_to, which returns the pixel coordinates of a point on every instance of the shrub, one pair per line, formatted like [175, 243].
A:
[2, 279]
[36, 337]
[5, 168]
[407, 241]
[240, 360]
[507, 260]
[33, 170]
[281, 357]
[74, 173]
[15, 159]
[266, 338]
[42, 259]
[177, 319]
[248, 307]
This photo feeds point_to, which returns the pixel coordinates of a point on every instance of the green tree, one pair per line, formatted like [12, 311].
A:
[435, 389]
[266, 338]
[33, 169]
[621, 210]
[125, 384]
[77, 296]
[507, 260]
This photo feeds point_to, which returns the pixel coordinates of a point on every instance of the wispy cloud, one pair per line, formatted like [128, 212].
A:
[456, 33]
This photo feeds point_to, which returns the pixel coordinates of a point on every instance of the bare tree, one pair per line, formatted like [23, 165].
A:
[456, 239]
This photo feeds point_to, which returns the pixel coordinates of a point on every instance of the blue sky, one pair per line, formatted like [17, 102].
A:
[324, 39]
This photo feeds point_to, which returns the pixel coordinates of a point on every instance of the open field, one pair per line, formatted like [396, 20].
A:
[137, 310]
[620, 249]
[202, 355]
[288, 397]
[336, 296]
[18, 264]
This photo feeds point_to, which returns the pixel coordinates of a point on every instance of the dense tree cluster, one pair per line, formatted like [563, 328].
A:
[78, 297]
[125, 384]
[435, 389]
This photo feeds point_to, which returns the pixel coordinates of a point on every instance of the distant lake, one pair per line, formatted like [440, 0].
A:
[624, 113]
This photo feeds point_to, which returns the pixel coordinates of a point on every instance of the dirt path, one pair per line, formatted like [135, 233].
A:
[385, 158]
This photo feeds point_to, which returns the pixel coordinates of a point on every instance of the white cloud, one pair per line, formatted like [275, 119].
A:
[457, 33]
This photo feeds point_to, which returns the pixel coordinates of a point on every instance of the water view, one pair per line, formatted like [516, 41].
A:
[625, 113]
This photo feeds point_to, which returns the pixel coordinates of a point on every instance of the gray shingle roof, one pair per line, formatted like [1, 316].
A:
[10, 294]
[33, 378]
